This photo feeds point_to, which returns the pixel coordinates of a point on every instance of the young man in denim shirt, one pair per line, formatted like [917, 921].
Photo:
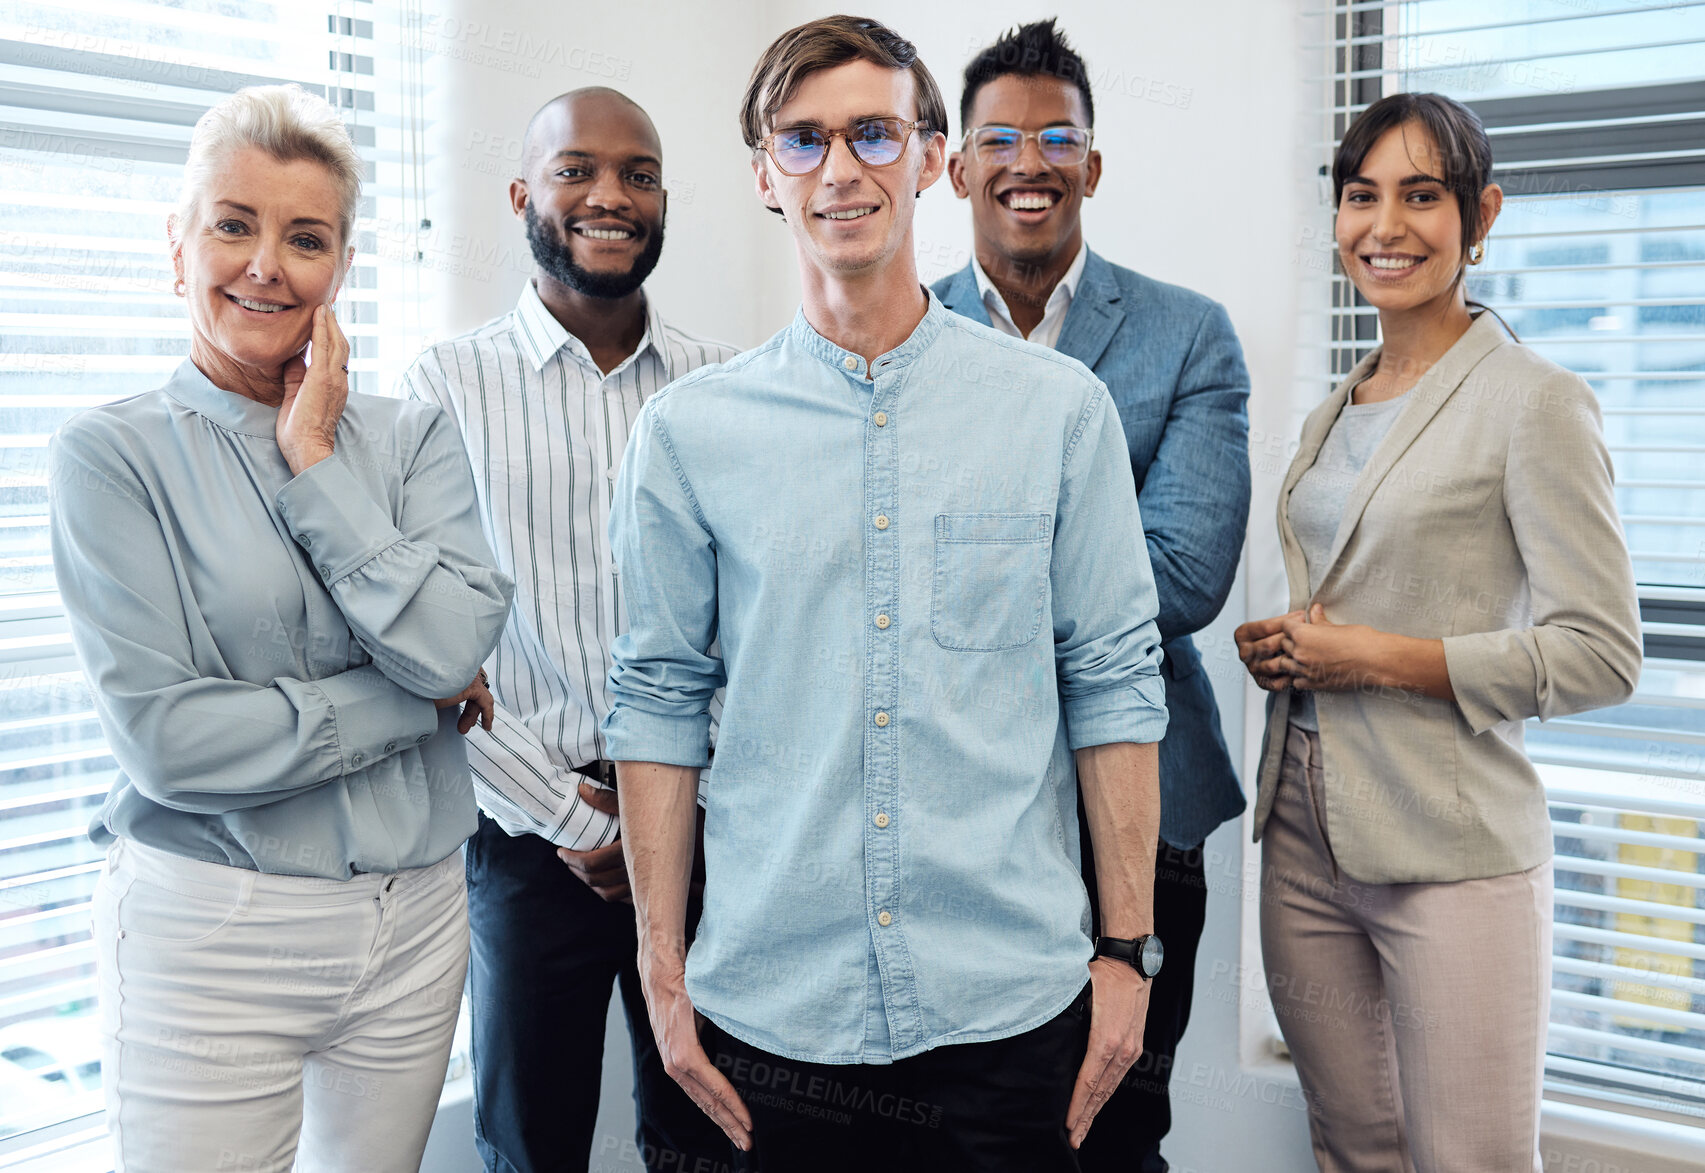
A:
[910, 548]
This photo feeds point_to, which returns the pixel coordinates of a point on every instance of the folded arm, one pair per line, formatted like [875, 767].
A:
[186, 740]
[420, 592]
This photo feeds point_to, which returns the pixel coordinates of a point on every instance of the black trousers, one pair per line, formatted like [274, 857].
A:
[1126, 1135]
[545, 952]
[996, 1107]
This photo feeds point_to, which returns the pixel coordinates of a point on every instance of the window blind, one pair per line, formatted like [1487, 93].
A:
[1596, 115]
[97, 102]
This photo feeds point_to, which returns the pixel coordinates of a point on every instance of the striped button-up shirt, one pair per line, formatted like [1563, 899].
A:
[545, 430]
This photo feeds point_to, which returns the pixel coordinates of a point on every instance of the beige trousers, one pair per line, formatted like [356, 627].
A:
[1415, 1013]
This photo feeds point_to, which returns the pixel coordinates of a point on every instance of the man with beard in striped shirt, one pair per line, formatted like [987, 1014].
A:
[545, 396]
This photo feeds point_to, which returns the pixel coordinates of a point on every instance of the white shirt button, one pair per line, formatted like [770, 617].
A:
[850, 363]
[882, 720]
[882, 622]
[884, 919]
[881, 819]
[881, 418]
[881, 521]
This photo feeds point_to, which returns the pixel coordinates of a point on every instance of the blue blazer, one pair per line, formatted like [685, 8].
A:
[1174, 367]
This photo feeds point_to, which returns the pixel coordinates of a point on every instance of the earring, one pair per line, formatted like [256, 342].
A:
[1477, 253]
[178, 287]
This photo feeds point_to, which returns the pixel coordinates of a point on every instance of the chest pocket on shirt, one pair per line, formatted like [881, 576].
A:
[991, 579]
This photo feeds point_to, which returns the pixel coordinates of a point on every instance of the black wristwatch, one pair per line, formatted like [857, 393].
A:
[1143, 954]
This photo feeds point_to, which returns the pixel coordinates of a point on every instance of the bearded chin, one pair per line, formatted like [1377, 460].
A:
[553, 254]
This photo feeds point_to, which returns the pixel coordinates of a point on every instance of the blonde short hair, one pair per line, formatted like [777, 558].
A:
[288, 123]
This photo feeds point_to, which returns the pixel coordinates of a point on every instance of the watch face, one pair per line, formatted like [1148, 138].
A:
[1152, 955]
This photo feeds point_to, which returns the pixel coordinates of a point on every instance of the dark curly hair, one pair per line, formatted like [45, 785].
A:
[1038, 49]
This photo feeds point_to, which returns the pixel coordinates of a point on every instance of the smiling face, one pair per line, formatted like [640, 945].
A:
[262, 251]
[848, 217]
[592, 193]
[1399, 227]
[1028, 212]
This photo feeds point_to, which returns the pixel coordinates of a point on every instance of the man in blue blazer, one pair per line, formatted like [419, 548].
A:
[1176, 372]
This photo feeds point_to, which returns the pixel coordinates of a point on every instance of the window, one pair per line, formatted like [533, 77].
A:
[97, 101]
[1597, 119]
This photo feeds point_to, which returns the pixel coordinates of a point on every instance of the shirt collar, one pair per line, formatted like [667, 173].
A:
[542, 336]
[226, 409]
[848, 363]
[1061, 294]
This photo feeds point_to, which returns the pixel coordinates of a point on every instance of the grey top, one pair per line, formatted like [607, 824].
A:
[263, 647]
[1317, 502]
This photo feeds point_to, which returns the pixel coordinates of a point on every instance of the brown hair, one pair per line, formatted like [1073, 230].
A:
[824, 44]
[1464, 151]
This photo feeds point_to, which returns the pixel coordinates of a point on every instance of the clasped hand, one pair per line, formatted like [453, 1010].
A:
[1305, 650]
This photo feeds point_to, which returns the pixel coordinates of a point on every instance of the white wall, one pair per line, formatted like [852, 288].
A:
[491, 63]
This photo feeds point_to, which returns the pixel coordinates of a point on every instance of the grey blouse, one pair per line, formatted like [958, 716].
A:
[263, 647]
[1317, 501]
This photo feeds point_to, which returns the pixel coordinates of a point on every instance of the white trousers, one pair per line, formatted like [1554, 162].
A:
[254, 1021]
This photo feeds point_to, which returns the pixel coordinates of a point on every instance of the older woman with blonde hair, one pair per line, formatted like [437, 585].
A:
[280, 593]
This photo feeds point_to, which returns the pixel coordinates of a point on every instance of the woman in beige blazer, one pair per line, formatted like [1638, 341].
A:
[1456, 566]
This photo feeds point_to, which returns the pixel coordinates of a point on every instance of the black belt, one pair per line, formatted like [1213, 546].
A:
[601, 771]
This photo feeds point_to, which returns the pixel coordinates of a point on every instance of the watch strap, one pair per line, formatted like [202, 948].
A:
[1124, 949]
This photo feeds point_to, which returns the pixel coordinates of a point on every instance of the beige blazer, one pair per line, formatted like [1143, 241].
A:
[1485, 518]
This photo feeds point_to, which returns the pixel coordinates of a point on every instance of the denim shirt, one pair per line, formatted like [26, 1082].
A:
[924, 582]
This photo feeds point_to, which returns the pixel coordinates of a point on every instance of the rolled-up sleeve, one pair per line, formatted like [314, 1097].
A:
[1583, 650]
[191, 741]
[1106, 643]
[663, 674]
[419, 591]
